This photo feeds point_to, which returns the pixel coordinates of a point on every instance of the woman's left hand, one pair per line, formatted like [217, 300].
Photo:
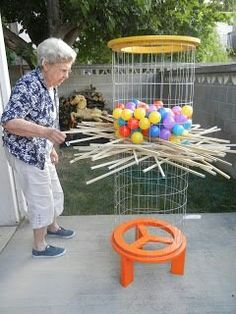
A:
[54, 156]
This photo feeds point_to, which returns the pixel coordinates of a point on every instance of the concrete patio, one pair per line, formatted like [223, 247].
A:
[86, 279]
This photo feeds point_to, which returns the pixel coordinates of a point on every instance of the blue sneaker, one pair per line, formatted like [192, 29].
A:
[50, 251]
[61, 233]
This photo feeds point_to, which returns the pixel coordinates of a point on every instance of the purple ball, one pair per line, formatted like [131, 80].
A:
[152, 108]
[176, 109]
[169, 122]
[165, 134]
[130, 105]
[180, 118]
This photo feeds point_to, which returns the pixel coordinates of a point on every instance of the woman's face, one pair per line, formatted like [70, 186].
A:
[55, 74]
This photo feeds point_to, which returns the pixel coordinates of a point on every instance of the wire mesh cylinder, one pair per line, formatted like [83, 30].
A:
[151, 69]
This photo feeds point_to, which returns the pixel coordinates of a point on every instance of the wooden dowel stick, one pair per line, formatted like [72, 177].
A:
[120, 162]
[115, 170]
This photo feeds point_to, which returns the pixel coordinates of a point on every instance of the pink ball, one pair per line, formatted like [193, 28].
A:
[152, 108]
[176, 109]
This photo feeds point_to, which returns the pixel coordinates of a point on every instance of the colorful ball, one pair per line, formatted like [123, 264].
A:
[163, 112]
[117, 133]
[176, 109]
[152, 108]
[130, 105]
[117, 113]
[145, 132]
[187, 125]
[165, 133]
[154, 131]
[133, 123]
[116, 125]
[139, 113]
[126, 114]
[124, 131]
[178, 130]
[120, 105]
[135, 101]
[143, 105]
[137, 137]
[158, 103]
[121, 122]
[175, 139]
[180, 118]
[154, 117]
[144, 123]
[168, 122]
[187, 110]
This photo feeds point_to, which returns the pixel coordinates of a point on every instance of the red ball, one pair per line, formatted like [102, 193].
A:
[145, 132]
[124, 131]
[120, 105]
[158, 103]
[133, 123]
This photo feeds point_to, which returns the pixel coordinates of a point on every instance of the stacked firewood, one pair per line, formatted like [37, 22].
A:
[94, 100]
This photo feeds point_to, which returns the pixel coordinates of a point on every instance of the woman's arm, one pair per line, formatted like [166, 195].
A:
[28, 129]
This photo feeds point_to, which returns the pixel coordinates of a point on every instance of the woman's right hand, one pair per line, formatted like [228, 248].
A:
[55, 135]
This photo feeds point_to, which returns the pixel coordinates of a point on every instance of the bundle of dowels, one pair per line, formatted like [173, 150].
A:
[194, 150]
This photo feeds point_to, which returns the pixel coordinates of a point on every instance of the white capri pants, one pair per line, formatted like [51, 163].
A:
[42, 191]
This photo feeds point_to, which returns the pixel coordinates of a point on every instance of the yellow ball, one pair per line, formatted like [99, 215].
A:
[185, 133]
[117, 113]
[139, 113]
[126, 114]
[116, 125]
[175, 139]
[117, 134]
[137, 138]
[154, 117]
[187, 110]
[144, 123]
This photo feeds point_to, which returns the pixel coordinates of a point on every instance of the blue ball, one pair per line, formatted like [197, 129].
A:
[154, 131]
[187, 125]
[177, 129]
[163, 113]
[121, 122]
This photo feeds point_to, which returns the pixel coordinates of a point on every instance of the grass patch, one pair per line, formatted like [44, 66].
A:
[80, 198]
[212, 194]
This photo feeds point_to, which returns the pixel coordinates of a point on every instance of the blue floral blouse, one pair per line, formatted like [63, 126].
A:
[30, 100]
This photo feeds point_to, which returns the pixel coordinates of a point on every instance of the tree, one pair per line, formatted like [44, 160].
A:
[89, 24]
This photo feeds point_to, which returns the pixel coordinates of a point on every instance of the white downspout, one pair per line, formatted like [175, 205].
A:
[9, 204]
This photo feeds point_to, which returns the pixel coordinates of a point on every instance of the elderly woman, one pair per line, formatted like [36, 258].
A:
[30, 122]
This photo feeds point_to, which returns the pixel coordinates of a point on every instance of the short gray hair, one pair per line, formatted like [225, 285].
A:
[55, 50]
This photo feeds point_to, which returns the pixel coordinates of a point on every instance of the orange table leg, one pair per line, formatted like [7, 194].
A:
[177, 264]
[127, 271]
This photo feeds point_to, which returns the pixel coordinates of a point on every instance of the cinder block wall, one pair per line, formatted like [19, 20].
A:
[215, 102]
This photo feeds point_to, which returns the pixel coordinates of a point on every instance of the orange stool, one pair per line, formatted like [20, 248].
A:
[173, 251]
